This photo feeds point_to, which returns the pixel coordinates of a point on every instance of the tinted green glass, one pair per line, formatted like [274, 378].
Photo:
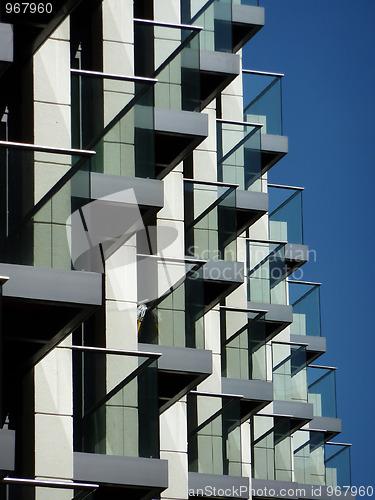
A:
[285, 215]
[337, 461]
[289, 372]
[266, 272]
[172, 55]
[214, 435]
[243, 336]
[322, 391]
[215, 16]
[210, 221]
[271, 448]
[116, 118]
[42, 239]
[308, 454]
[305, 300]
[262, 101]
[116, 410]
[239, 155]
[176, 319]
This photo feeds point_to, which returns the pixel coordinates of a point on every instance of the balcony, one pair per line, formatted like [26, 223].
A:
[289, 377]
[266, 265]
[173, 323]
[214, 441]
[285, 214]
[227, 25]
[171, 54]
[36, 258]
[320, 463]
[262, 105]
[289, 372]
[337, 463]
[305, 299]
[65, 225]
[117, 130]
[271, 451]
[322, 395]
[210, 234]
[286, 223]
[243, 358]
[266, 283]
[239, 162]
[318, 468]
[116, 421]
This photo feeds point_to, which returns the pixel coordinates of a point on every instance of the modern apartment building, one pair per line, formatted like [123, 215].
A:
[157, 341]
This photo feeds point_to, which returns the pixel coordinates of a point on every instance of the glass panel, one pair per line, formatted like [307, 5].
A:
[42, 240]
[308, 450]
[239, 155]
[289, 372]
[305, 300]
[262, 101]
[337, 460]
[41, 233]
[285, 215]
[271, 448]
[243, 350]
[210, 221]
[116, 118]
[214, 435]
[322, 391]
[215, 16]
[117, 411]
[172, 55]
[176, 318]
[266, 272]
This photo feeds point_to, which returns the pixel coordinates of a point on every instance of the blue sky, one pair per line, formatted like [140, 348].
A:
[326, 49]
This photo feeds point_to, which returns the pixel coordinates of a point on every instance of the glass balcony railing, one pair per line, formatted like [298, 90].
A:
[176, 317]
[320, 463]
[289, 372]
[322, 390]
[171, 54]
[271, 448]
[116, 408]
[308, 454]
[114, 116]
[45, 233]
[337, 462]
[214, 434]
[239, 155]
[263, 100]
[285, 214]
[266, 272]
[40, 239]
[210, 220]
[305, 299]
[215, 16]
[243, 337]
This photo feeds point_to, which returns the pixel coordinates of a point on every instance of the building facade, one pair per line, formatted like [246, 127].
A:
[157, 338]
